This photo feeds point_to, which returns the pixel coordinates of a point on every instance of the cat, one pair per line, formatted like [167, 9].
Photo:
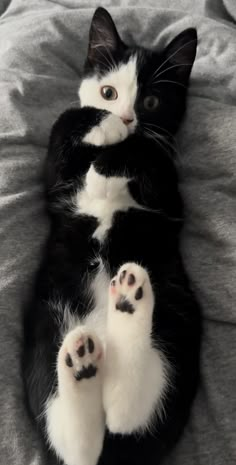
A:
[112, 335]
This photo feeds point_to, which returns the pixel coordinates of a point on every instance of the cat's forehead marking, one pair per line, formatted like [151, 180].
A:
[123, 78]
[124, 74]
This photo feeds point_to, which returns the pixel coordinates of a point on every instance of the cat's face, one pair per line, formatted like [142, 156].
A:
[115, 90]
[147, 89]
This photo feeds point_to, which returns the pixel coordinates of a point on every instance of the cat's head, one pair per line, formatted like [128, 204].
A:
[146, 88]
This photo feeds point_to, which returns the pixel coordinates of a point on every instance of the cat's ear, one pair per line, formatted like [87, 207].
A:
[180, 54]
[104, 39]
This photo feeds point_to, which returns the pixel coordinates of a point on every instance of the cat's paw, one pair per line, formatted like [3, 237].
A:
[114, 129]
[134, 374]
[111, 130]
[131, 292]
[80, 355]
[75, 414]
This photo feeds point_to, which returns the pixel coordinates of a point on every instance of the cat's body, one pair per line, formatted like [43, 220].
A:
[118, 360]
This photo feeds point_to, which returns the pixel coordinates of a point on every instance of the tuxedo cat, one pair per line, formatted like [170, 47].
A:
[112, 335]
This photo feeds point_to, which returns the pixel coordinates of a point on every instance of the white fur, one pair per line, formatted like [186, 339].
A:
[132, 379]
[101, 197]
[97, 318]
[111, 130]
[124, 80]
[75, 416]
[135, 379]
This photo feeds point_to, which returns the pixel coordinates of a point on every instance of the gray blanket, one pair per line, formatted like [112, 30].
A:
[42, 48]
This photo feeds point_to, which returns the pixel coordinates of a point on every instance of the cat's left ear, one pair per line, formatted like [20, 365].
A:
[180, 54]
[104, 39]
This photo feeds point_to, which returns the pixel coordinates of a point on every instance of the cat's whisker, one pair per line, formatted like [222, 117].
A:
[157, 139]
[74, 101]
[174, 146]
[112, 62]
[108, 68]
[156, 135]
[108, 65]
[171, 82]
[164, 140]
[111, 57]
[155, 76]
[159, 127]
[173, 54]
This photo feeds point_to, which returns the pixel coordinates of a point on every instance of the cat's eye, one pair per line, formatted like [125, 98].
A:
[109, 93]
[151, 102]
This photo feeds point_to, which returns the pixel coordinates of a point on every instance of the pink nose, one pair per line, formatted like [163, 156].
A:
[127, 121]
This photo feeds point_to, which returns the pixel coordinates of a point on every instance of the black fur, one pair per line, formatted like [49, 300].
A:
[150, 238]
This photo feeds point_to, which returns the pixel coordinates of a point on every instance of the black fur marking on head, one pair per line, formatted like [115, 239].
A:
[105, 48]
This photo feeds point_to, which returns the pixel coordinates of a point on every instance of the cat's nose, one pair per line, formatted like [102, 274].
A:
[127, 121]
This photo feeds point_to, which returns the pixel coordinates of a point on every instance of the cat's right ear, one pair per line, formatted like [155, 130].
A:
[104, 39]
[180, 55]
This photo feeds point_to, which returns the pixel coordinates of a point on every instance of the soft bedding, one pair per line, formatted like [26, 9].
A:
[42, 47]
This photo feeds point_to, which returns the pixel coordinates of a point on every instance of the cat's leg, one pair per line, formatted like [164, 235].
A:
[75, 416]
[136, 373]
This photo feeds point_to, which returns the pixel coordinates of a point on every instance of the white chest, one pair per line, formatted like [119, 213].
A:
[101, 197]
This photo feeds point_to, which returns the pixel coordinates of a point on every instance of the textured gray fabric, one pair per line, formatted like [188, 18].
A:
[42, 47]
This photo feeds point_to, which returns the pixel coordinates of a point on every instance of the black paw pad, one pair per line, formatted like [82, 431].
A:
[124, 305]
[139, 293]
[86, 372]
[81, 351]
[90, 345]
[122, 276]
[131, 279]
[68, 361]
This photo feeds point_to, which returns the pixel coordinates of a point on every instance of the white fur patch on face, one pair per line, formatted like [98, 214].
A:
[124, 80]
[101, 197]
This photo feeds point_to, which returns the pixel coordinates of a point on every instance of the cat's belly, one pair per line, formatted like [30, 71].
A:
[101, 197]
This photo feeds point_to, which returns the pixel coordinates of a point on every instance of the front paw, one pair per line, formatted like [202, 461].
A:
[110, 131]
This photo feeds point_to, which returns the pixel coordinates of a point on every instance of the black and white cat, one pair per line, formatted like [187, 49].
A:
[112, 336]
